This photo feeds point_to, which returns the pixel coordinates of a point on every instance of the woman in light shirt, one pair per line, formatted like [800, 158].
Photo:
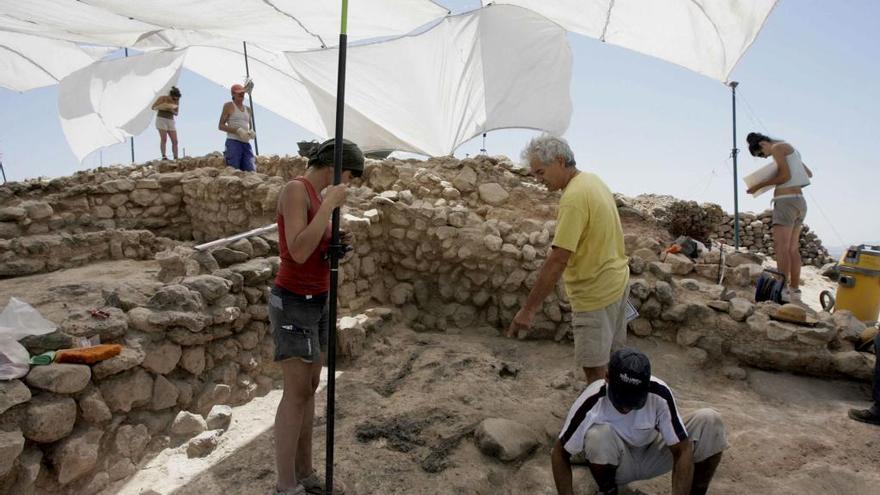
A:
[789, 206]
[166, 108]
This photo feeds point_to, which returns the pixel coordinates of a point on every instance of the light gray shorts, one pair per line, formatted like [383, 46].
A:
[789, 211]
[164, 124]
[599, 333]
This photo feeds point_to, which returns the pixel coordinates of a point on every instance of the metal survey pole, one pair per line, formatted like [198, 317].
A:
[3, 172]
[734, 153]
[247, 74]
[335, 252]
[132, 138]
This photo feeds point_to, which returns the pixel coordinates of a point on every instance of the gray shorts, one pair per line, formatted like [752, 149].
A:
[603, 446]
[599, 333]
[165, 124]
[789, 211]
[300, 325]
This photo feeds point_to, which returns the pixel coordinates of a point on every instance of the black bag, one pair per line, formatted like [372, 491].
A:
[769, 286]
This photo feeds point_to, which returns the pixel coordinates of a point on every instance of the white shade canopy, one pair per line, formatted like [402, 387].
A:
[488, 69]
[706, 36]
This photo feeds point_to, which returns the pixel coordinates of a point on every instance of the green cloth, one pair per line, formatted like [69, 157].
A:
[44, 358]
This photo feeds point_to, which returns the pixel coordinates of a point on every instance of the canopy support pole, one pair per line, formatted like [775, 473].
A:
[132, 138]
[247, 74]
[734, 152]
[335, 252]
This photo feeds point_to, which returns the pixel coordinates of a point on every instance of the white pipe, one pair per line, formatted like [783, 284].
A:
[243, 235]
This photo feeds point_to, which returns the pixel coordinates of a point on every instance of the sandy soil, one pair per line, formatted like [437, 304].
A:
[406, 412]
[54, 294]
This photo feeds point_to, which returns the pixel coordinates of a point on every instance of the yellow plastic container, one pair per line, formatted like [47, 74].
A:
[858, 289]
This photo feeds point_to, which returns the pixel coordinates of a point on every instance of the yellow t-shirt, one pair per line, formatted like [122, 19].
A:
[588, 225]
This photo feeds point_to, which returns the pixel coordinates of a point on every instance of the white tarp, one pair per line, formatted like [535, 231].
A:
[706, 36]
[489, 69]
[29, 62]
[109, 101]
[274, 25]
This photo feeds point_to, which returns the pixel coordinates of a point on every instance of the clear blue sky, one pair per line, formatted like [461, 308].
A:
[642, 124]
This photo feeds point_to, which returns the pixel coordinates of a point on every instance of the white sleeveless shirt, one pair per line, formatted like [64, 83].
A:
[238, 118]
[799, 177]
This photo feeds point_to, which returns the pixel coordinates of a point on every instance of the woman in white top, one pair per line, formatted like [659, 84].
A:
[166, 108]
[235, 121]
[789, 207]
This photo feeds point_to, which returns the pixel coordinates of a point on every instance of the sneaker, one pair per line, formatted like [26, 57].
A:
[785, 296]
[315, 485]
[865, 416]
[795, 295]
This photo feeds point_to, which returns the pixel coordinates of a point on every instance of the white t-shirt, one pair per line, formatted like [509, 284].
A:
[637, 428]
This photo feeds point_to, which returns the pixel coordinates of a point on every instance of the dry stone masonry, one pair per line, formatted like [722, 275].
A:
[441, 245]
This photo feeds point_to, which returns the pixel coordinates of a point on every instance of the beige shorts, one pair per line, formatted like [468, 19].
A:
[789, 211]
[603, 446]
[165, 124]
[599, 333]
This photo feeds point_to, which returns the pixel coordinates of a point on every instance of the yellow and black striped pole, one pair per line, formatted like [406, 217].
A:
[336, 252]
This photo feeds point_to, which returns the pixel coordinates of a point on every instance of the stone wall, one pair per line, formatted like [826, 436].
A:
[195, 340]
[755, 229]
[448, 244]
[28, 255]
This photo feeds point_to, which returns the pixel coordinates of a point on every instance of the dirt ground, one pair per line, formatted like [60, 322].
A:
[405, 413]
[407, 408]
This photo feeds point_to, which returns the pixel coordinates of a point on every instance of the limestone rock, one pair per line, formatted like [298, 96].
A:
[49, 418]
[505, 439]
[664, 293]
[679, 263]
[219, 418]
[11, 446]
[660, 270]
[187, 424]
[127, 359]
[193, 360]
[740, 309]
[210, 287]
[93, 408]
[493, 193]
[29, 464]
[131, 440]
[723, 306]
[12, 393]
[76, 455]
[83, 324]
[466, 180]
[124, 391]
[60, 378]
[641, 327]
[255, 271]
[203, 444]
[121, 469]
[636, 265]
[164, 394]
[646, 254]
[161, 358]
[176, 297]
[98, 482]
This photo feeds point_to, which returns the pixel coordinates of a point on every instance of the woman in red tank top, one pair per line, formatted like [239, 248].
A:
[298, 308]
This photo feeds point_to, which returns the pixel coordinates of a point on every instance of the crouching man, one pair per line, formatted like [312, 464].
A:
[629, 429]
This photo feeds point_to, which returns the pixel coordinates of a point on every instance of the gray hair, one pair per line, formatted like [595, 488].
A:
[547, 148]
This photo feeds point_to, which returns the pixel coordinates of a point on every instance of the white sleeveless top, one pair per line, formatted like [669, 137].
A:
[799, 177]
[238, 118]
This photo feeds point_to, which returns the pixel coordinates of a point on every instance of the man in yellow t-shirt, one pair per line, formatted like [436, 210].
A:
[588, 251]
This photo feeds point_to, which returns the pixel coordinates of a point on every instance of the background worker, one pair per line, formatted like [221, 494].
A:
[235, 121]
[167, 108]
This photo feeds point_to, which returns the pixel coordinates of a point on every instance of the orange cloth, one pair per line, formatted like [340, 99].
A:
[88, 355]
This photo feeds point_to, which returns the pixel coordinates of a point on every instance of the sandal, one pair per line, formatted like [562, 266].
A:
[298, 490]
[315, 485]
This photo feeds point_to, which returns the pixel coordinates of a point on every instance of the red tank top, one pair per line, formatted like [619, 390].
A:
[312, 277]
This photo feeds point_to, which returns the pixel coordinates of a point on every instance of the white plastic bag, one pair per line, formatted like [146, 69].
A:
[14, 359]
[17, 321]
[20, 320]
